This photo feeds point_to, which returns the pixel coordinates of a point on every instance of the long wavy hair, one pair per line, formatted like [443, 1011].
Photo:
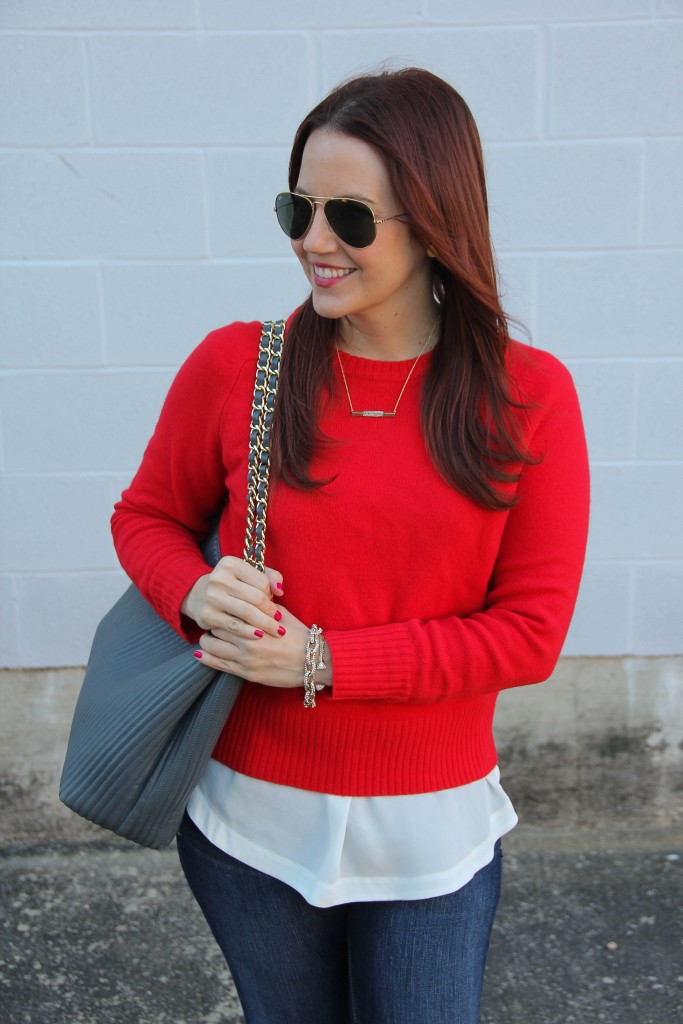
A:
[428, 140]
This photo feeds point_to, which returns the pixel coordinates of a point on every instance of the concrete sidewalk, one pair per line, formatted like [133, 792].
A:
[589, 929]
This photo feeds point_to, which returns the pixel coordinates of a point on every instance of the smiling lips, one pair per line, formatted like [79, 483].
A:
[326, 276]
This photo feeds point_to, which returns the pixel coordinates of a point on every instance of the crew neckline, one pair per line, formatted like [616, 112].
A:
[380, 369]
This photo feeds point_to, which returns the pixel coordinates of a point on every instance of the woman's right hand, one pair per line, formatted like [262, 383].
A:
[237, 598]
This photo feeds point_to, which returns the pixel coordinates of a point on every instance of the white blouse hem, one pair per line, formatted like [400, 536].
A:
[336, 850]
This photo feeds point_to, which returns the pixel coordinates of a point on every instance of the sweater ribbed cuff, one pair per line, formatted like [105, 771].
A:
[371, 664]
[178, 578]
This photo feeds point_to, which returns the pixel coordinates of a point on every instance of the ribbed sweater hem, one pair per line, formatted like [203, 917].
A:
[400, 748]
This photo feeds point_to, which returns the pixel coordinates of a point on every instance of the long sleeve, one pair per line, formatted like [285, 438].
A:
[184, 477]
[517, 637]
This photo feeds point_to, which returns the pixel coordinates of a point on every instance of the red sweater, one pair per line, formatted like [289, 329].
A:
[430, 604]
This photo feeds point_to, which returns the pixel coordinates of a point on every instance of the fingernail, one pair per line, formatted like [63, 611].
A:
[199, 654]
[281, 630]
[279, 586]
[278, 615]
[258, 632]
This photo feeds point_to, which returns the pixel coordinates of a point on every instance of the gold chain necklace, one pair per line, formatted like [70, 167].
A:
[381, 413]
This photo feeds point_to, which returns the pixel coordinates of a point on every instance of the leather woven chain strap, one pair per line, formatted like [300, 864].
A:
[265, 390]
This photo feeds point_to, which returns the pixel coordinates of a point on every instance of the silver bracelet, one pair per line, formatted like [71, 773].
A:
[315, 659]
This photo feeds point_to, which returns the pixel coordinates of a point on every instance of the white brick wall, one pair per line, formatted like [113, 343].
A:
[142, 143]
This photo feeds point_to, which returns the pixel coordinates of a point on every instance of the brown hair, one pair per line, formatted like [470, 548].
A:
[425, 133]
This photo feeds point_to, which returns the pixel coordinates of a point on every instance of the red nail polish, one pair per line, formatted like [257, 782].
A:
[278, 615]
[281, 630]
[198, 654]
[258, 632]
[279, 586]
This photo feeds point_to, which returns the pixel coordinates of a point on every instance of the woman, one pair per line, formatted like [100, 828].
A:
[428, 514]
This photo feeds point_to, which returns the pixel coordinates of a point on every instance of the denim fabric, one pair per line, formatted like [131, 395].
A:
[394, 962]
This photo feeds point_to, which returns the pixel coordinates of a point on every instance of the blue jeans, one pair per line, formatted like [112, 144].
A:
[393, 962]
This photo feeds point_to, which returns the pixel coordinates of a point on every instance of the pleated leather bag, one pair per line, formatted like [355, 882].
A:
[149, 713]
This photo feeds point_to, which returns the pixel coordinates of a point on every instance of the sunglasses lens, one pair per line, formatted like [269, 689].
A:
[294, 214]
[353, 222]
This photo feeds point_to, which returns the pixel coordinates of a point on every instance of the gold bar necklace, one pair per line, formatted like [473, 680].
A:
[383, 413]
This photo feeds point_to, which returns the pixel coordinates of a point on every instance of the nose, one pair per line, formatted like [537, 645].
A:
[320, 237]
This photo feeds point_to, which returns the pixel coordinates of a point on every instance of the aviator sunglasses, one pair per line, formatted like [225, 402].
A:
[354, 223]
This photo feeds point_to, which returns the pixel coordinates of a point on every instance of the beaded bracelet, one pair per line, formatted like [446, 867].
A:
[315, 653]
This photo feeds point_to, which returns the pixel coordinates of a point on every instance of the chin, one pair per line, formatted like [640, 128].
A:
[325, 308]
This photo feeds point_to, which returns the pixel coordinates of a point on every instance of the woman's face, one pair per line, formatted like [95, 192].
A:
[389, 278]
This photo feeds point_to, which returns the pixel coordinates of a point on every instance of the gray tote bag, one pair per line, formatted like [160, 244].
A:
[149, 713]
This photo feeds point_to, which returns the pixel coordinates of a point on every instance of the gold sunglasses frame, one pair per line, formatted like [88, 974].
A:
[322, 201]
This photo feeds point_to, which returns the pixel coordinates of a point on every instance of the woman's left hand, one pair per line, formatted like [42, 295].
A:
[270, 660]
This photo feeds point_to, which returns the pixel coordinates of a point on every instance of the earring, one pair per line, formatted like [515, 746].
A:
[431, 253]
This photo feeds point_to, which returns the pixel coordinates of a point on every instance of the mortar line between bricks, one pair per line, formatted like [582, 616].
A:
[108, 367]
[237, 261]
[641, 191]
[138, 148]
[41, 262]
[104, 475]
[545, 75]
[637, 382]
[190, 31]
[675, 248]
[192, 145]
[86, 368]
[99, 271]
[636, 463]
[87, 83]
[206, 213]
[534, 296]
[621, 359]
[440, 25]
[631, 604]
[95, 570]
[407, 27]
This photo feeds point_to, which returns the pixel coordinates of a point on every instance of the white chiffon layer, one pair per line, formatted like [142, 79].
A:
[337, 849]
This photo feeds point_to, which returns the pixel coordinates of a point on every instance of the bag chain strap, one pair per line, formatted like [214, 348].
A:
[265, 390]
